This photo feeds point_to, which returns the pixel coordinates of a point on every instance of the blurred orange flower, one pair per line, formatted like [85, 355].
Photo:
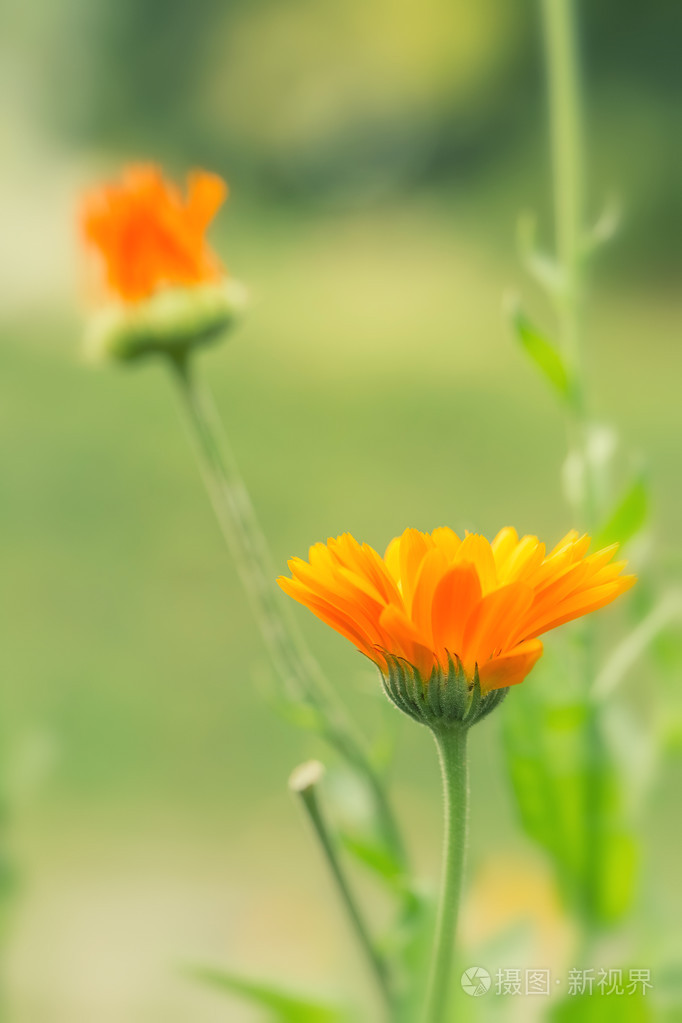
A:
[148, 236]
[433, 594]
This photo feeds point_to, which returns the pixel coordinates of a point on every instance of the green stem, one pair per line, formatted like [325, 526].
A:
[452, 752]
[304, 783]
[569, 206]
[565, 116]
[299, 672]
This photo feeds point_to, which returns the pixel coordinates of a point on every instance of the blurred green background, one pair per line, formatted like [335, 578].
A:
[379, 153]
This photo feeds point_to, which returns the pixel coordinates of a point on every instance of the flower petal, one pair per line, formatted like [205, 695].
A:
[492, 620]
[511, 668]
[457, 594]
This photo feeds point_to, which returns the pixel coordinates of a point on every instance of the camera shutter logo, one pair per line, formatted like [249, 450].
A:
[475, 981]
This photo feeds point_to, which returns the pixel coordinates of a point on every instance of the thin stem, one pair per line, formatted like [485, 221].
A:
[299, 672]
[563, 70]
[304, 782]
[635, 643]
[452, 752]
[569, 203]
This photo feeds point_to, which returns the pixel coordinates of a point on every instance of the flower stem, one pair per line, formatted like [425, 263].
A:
[563, 68]
[451, 744]
[299, 672]
[304, 783]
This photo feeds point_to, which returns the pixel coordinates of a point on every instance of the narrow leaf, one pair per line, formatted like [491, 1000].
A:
[628, 517]
[285, 1006]
[572, 797]
[542, 352]
[374, 856]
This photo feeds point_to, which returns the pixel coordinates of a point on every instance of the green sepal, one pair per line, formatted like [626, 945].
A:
[170, 323]
[444, 698]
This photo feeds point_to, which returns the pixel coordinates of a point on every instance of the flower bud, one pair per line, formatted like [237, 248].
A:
[171, 322]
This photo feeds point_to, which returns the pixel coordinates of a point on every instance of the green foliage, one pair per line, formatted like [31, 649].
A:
[604, 1008]
[628, 517]
[410, 941]
[375, 856]
[282, 1005]
[570, 795]
[542, 352]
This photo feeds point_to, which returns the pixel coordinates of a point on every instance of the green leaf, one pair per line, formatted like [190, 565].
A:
[572, 796]
[542, 352]
[605, 1008]
[410, 940]
[375, 856]
[542, 744]
[628, 517]
[283, 1005]
[299, 713]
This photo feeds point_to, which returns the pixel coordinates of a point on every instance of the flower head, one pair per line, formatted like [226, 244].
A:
[148, 236]
[441, 604]
[166, 288]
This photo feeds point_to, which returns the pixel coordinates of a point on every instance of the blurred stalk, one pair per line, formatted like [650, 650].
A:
[566, 129]
[304, 782]
[299, 672]
[565, 119]
[8, 891]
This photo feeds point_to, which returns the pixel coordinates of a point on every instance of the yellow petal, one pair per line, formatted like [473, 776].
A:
[477, 550]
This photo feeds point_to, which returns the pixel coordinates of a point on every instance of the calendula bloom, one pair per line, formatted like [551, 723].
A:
[439, 603]
[164, 287]
[148, 235]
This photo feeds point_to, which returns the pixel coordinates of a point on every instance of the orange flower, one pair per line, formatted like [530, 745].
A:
[434, 595]
[148, 235]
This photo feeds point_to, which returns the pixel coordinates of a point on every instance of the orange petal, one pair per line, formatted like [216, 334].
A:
[205, 195]
[330, 615]
[550, 598]
[413, 549]
[457, 594]
[511, 668]
[404, 640]
[382, 578]
[364, 561]
[492, 621]
[338, 591]
[430, 573]
[477, 550]
[582, 603]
